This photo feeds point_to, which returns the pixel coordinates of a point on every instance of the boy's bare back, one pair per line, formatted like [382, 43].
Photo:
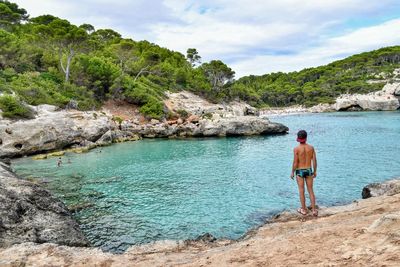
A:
[305, 155]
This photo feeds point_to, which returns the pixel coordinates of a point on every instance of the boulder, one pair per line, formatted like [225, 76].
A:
[119, 136]
[193, 119]
[251, 111]
[29, 213]
[50, 131]
[391, 187]
[243, 125]
[154, 121]
[105, 139]
[197, 105]
[207, 238]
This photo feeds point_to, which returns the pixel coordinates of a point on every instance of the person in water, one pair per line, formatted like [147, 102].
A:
[305, 169]
[59, 162]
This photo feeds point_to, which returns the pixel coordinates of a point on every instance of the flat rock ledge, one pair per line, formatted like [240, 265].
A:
[363, 233]
[53, 130]
[231, 126]
[29, 213]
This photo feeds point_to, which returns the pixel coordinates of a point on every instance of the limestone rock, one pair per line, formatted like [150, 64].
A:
[245, 125]
[193, 119]
[196, 105]
[207, 237]
[50, 131]
[386, 99]
[380, 189]
[29, 213]
[105, 139]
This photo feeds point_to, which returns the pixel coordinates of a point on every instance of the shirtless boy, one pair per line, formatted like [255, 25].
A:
[304, 162]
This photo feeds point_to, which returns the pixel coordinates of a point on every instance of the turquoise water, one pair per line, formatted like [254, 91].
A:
[149, 190]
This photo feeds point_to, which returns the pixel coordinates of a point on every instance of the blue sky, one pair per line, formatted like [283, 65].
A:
[252, 37]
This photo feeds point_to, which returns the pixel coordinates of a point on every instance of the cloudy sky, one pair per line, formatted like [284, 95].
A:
[252, 37]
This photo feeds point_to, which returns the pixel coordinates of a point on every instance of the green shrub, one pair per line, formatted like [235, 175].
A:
[36, 90]
[13, 108]
[153, 109]
[81, 95]
[183, 113]
[208, 116]
[117, 119]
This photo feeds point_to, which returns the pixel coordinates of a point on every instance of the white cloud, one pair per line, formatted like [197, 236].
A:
[365, 39]
[253, 37]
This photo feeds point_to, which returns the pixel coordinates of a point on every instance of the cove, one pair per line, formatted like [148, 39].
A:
[157, 189]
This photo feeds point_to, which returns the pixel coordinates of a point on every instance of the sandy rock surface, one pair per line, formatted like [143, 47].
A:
[364, 233]
[197, 105]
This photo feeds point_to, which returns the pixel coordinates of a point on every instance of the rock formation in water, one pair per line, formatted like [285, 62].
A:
[50, 130]
[29, 213]
[391, 187]
[385, 99]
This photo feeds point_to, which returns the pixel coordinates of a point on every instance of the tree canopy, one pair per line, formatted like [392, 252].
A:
[47, 59]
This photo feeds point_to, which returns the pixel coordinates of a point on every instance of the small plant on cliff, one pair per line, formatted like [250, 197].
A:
[117, 119]
[153, 109]
[207, 116]
[13, 108]
[183, 113]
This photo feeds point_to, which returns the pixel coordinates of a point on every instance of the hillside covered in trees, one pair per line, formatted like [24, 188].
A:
[48, 60]
[321, 84]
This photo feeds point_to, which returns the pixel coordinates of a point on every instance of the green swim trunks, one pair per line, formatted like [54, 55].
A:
[304, 173]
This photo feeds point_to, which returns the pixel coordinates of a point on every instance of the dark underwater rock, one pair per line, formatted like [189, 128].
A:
[29, 213]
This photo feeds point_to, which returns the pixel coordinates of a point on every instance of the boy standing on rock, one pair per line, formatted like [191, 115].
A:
[304, 156]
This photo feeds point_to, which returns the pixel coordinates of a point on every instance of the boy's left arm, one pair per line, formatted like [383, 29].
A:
[294, 165]
[314, 161]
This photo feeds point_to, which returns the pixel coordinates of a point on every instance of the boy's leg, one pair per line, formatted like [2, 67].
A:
[309, 182]
[300, 183]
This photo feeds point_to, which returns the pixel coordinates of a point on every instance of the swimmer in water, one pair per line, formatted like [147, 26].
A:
[59, 162]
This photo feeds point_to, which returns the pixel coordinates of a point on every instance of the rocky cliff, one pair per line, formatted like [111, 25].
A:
[29, 213]
[385, 99]
[55, 130]
[50, 130]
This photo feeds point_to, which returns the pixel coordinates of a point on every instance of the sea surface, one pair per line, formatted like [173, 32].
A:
[140, 192]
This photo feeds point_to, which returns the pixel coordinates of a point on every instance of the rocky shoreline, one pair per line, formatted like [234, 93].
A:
[37, 230]
[53, 130]
[387, 99]
[29, 213]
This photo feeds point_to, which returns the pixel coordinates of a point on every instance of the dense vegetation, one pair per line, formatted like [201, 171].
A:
[48, 60]
[321, 84]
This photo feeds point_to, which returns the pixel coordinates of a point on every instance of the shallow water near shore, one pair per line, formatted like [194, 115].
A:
[139, 192]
